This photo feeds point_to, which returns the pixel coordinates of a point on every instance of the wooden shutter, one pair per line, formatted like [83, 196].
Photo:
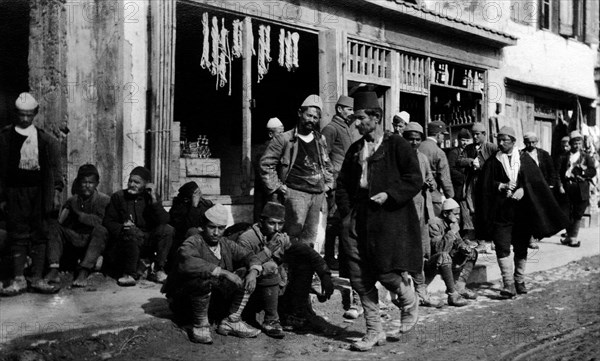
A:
[591, 21]
[566, 18]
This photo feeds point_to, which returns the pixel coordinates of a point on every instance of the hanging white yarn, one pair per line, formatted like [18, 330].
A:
[264, 49]
[215, 45]
[205, 60]
[236, 50]
[224, 58]
[288, 51]
[281, 59]
[295, 41]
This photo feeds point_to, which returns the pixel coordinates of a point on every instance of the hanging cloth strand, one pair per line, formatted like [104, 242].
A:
[264, 50]
[288, 51]
[224, 59]
[205, 60]
[215, 45]
[295, 41]
[236, 50]
[281, 59]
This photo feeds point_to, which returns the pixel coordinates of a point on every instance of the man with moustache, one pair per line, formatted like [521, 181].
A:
[375, 189]
[79, 230]
[138, 222]
[206, 276]
[296, 168]
[31, 183]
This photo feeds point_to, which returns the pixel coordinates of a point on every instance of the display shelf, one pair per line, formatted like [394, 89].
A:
[457, 88]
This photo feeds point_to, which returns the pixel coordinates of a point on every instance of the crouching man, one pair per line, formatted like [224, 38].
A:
[206, 264]
[138, 222]
[451, 256]
[274, 248]
[79, 230]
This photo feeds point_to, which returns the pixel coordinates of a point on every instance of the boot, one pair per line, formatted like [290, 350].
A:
[572, 233]
[425, 299]
[520, 275]
[375, 334]
[200, 332]
[408, 303]
[507, 277]
[461, 283]
[456, 300]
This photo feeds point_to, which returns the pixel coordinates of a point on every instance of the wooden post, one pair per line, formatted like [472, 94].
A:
[246, 107]
[332, 61]
[393, 94]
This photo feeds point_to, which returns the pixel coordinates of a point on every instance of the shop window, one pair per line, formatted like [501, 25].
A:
[414, 73]
[211, 116]
[366, 60]
[545, 14]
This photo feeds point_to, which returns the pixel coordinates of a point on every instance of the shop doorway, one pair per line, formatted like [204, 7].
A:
[14, 49]
[415, 106]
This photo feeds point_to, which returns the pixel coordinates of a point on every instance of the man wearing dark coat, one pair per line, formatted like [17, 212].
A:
[515, 204]
[459, 166]
[137, 220]
[31, 185]
[375, 189]
[546, 164]
[576, 170]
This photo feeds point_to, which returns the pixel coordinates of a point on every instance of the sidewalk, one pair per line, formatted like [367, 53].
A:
[33, 317]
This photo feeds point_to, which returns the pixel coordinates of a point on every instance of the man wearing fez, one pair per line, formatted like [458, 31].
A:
[544, 161]
[136, 219]
[460, 163]
[413, 133]
[296, 167]
[436, 132]
[576, 170]
[274, 127]
[79, 229]
[514, 203]
[400, 121]
[274, 248]
[478, 152]
[208, 266]
[31, 183]
[375, 189]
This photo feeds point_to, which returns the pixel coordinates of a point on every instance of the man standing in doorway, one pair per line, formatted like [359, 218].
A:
[436, 132]
[296, 168]
[31, 184]
[375, 189]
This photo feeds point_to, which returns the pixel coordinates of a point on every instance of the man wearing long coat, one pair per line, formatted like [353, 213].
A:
[375, 189]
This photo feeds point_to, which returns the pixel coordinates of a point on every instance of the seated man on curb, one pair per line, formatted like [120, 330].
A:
[450, 255]
[79, 228]
[273, 248]
[207, 264]
[187, 211]
[136, 219]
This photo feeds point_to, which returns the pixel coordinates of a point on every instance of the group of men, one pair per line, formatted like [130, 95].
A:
[401, 210]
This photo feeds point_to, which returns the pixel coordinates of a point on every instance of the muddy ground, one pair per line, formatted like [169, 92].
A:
[558, 320]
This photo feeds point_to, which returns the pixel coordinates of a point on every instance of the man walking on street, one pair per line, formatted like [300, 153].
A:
[375, 189]
[436, 132]
[31, 183]
[576, 171]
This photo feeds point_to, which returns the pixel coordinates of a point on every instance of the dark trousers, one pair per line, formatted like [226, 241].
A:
[27, 228]
[154, 245]
[295, 299]
[575, 207]
[66, 246]
[263, 298]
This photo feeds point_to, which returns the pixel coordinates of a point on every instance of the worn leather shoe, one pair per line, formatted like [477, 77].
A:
[17, 286]
[126, 281]
[237, 328]
[371, 339]
[429, 302]
[200, 335]
[353, 313]
[509, 290]
[456, 300]
[42, 286]
[521, 288]
[273, 329]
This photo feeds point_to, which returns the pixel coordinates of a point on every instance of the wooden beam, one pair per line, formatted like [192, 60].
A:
[246, 107]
